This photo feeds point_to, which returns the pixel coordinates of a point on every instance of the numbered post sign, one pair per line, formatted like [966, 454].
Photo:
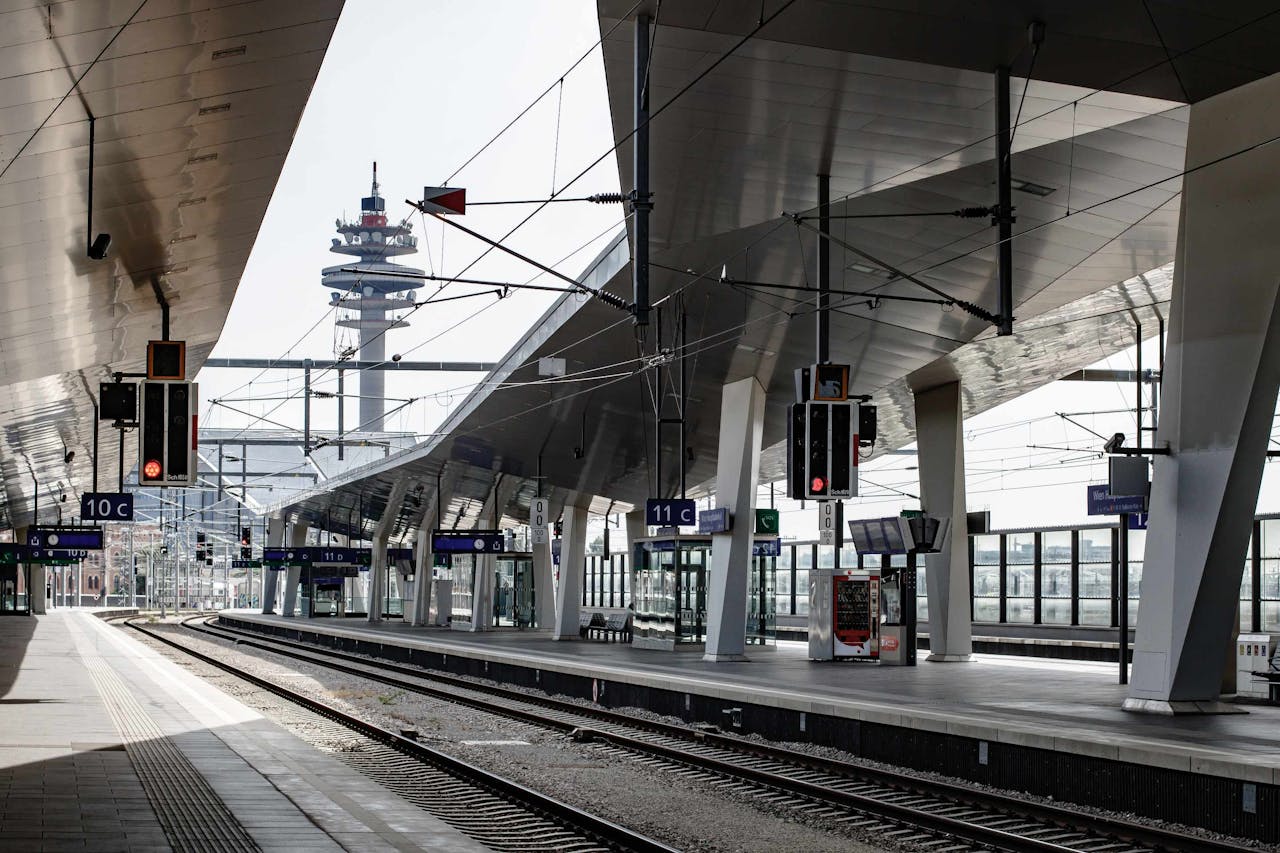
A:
[106, 506]
[828, 523]
[540, 521]
[674, 512]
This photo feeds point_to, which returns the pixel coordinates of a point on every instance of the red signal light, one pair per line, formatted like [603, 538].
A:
[819, 484]
[151, 470]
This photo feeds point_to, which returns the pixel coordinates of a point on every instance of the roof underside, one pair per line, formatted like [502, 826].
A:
[196, 104]
[897, 106]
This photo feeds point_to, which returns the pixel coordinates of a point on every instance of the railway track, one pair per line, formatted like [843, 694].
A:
[497, 812]
[939, 815]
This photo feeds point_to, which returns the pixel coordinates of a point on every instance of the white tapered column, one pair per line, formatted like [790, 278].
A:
[737, 471]
[293, 574]
[569, 591]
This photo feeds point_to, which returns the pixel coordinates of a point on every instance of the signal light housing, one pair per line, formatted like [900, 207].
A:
[822, 451]
[167, 433]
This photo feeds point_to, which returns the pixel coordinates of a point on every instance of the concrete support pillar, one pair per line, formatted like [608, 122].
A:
[544, 580]
[293, 574]
[737, 471]
[486, 564]
[636, 530]
[1222, 371]
[422, 559]
[381, 534]
[270, 577]
[940, 443]
[569, 591]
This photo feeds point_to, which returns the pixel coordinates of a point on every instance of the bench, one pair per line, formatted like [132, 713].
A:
[615, 628]
[588, 621]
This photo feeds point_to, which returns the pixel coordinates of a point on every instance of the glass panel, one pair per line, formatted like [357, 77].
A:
[1055, 547]
[986, 609]
[1095, 546]
[986, 550]
[827, 557]
[986, 581]
[1020, 549]
[1055, 594]
[922, 596]
[848, 557]
[802, 588]
[1095, 592]
[1270, 544]
[1020, 593]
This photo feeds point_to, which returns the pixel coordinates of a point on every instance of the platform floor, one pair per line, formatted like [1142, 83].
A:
[1071, 706]
[106, 745]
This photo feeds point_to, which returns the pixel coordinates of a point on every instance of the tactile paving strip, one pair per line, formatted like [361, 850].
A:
[194, 818]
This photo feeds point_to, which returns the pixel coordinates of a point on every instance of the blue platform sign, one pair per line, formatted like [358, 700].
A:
[106, 506]
[65, 537]
[29, 554]
[468, 541]
[667, 512]
[301, 556]
[766, 548]
[1138, 520]
[1101, 503]
[714, 520]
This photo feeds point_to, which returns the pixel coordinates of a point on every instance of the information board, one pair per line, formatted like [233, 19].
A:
[1099, 501]
[766, 548]
[468, 541]
[714, 520]
[65, 537]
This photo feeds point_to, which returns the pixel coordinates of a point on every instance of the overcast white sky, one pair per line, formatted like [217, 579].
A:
[420, 87]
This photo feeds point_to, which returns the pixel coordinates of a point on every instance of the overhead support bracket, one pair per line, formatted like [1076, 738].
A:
[1002, 217]
[964, 305]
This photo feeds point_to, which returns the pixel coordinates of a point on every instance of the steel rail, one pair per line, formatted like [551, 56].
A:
[1151, 837]
[594, 827]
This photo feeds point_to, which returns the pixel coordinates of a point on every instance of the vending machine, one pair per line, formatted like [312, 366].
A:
[844, 614]
[856, 613]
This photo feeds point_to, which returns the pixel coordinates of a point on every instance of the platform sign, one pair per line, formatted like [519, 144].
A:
[667, 512]
[10, 553]
[65, 537]
[1100, 502]
[555, 551]
[303, 556]
[766, 548]
[468, 541]
[1138, 520]
[246, 564]
[540, 521]
[106, 506]
[767, 523]
[715, 520]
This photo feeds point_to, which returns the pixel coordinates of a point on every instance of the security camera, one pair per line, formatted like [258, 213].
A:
[98, 248]
[1114, 443]
[68, 456]
[395, 357]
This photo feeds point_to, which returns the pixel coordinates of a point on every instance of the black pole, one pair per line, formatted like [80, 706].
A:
[641, 202]
[824, 269]
[1137, 383]
[306, 409]
[684, 450]
[121, 458]
[95, 449]
[1004, 214]
[1123, 594]
[164, 320]
[659, 396]
[341, 442]
[88, 214]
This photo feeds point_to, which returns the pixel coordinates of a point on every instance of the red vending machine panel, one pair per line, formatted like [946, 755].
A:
[855, 611]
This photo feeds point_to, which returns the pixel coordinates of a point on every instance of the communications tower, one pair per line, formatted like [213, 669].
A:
[367, 299]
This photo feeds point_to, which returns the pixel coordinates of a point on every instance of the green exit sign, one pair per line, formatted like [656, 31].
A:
[767, 522]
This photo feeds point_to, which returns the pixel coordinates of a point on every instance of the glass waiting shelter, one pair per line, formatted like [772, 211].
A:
[514, 601]
[15, 580]
[669, 582]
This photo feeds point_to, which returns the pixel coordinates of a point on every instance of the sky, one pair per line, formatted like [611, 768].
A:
[421, 88]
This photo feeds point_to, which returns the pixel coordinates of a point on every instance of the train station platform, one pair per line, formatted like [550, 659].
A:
[1053, 727]
[110, 746]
